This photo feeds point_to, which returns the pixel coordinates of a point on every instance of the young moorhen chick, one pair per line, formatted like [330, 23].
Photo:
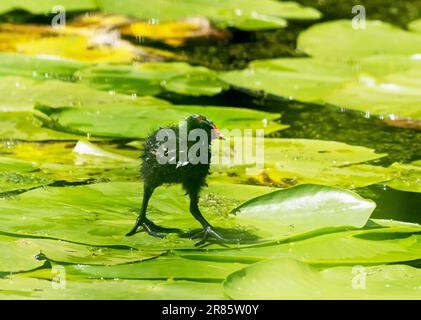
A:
[178, 170]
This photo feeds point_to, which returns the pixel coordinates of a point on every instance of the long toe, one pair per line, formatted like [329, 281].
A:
[160, 229]
[209, 233]
[150, 230]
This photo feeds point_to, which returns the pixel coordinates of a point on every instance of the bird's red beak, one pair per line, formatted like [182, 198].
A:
[216, 133]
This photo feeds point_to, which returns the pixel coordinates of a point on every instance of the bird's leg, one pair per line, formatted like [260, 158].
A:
[144, 222]
[208, 231]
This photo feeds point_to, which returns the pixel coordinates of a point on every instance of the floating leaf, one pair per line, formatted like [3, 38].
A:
[339, 40]
[39, 68]
[17, 255]
[19, 182]
[24, 126]
[196, 84]
[303, 79]
[415, 25]
[160, 268]
[295, 161]
[67, 162]
[242, 14]
[46, 6]
[90, 45]
[101, 214]
[382, 85]
[305, 208]
[10, 164]
[173, 33]
[381, 245]
[396, 95]
[10, 37]
[131, 121]
[291, 279]
[21, 254]
[18, 94]
[66, 252]
[20, 287]
[78, 48]
[18, 174]
[409, 177]
[150, 78]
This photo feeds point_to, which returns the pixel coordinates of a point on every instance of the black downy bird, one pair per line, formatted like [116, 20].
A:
[191, 176]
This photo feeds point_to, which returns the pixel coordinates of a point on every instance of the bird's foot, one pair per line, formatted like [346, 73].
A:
[152, 229]
[210, 233]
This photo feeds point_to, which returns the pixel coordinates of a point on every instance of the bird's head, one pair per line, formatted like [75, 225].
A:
[197, 121]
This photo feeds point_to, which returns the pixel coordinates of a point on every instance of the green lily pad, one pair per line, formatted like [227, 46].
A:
[304, 208]
[66, 252]
[244, 14]
[382, 245]
[45, 6]
[383, 85]
[131, 121]
[17, 255]
[10, 164]
[395, 96]
[160, 268]
[296, 161]
[291, 279]
[151, 78]
[15, 181]
[65, 162]
[197, 84]
[339, 40]
[330, 153]
[19, 287]
[408, 177]
[303, 79]
[38, 67]
[24, 126]
[101, 214]
[299, 172]
[123, 79]
[415, 25]
[16, 174]
[21, 254]
[22, 94]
